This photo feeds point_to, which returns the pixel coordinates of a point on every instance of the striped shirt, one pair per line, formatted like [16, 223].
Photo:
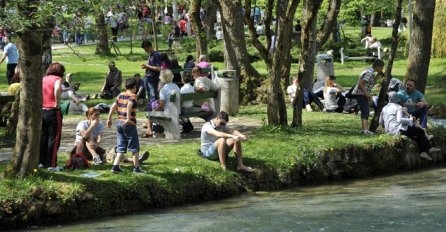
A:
[122, 101]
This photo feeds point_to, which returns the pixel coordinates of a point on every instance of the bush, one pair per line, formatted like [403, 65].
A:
[216, 55]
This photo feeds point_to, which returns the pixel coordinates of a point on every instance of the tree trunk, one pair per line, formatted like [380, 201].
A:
[47, 57]
[281, 62]
[307, 54]
[388, 73]
[211, 18]
[197, 26]
[30, 45]
[421, 42]
[102, 37]
[263, 50]
[329, 24]
[278, 61]
[235, 47]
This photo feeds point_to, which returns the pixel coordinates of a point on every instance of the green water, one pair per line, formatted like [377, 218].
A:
[406, 202]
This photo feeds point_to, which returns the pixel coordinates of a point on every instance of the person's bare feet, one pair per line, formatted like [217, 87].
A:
[245, 169]
[223, 167]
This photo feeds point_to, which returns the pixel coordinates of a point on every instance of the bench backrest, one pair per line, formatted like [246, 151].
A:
[179, 70]
[195, 96]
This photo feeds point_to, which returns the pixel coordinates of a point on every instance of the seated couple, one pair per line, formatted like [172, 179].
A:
[397, 121]
[201, 84]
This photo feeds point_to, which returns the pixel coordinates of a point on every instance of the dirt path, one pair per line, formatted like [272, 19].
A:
[69, 126]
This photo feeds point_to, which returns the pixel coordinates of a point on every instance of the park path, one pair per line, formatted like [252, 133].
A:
[244, 125]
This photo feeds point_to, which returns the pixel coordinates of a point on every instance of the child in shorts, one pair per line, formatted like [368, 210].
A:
[127, 134]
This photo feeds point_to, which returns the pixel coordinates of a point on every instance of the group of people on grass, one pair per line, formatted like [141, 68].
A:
[406, 105]
[216, 137]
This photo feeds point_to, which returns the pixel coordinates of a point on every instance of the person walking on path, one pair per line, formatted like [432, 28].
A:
[363, 89]
[51, 117]
[217, 140]
[11, 55]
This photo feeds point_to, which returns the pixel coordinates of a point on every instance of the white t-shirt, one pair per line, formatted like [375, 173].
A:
[167, 90]
[187, 88]
[207, 139]
[206, 83]
[83, 126]
[330, 98]
[291, 90]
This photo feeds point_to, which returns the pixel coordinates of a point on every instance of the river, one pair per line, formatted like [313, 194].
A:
[414, 201]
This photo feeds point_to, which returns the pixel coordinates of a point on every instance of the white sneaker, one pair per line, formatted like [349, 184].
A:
[367, 132]
[308, 107]
[424, 155]
[434, 149]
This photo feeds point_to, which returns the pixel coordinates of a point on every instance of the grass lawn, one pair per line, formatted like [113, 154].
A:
[172, 165]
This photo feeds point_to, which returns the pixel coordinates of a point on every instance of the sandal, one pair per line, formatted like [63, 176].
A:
[147, 135]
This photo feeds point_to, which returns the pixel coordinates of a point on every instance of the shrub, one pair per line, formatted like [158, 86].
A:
[216, 55]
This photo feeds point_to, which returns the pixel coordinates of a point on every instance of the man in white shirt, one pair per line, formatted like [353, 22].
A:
[217, 140]
[11, 55]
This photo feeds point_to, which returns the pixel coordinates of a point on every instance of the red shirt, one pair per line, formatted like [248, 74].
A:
[48, 98]
[182, 25]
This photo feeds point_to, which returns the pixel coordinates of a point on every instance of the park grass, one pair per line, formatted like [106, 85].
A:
[172, 165]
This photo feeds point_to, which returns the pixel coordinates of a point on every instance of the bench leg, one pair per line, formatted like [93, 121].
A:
[171, 129]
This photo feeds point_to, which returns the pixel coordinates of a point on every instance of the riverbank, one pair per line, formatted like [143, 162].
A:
[328, 147]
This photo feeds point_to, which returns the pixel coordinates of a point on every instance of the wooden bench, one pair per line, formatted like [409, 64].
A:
[5, 99]
[170, 117]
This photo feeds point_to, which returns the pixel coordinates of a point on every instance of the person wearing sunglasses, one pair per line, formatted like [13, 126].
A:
[217, 140]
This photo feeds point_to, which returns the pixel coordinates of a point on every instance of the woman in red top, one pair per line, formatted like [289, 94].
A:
[51, 117]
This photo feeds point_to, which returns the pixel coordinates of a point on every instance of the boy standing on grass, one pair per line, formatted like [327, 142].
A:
[362, 92]
[127, 137]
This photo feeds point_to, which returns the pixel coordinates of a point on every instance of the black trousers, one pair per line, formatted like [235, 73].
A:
[10, 70]
[419, 136]
[50, 137]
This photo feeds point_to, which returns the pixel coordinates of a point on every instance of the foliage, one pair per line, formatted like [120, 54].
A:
[439, 35]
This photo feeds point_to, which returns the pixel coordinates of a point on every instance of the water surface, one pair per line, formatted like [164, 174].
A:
[406, 202]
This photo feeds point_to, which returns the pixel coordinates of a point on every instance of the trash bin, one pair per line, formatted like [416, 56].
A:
[324, 68]
[229, 91]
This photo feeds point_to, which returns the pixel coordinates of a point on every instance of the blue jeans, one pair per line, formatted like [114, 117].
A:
[127, 138]
[421, 114]
[211, 153]
[151, 88]
[311, 97]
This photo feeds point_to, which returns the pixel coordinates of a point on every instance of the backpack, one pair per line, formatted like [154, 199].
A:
[351, 106]
[77, 161]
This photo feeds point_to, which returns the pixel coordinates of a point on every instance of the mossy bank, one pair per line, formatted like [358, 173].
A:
[325, 149]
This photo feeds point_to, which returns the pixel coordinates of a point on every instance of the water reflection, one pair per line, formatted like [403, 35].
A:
[406, 202]
[438, 122]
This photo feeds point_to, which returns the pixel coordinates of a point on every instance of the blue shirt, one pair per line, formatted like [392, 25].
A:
[153, 60]
[12, 54]
[416, 96]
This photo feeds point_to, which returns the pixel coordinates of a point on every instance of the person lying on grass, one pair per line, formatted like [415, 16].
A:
[217, 140]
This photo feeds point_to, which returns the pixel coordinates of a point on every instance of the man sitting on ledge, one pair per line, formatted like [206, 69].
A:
[217, 140]
[415, 102]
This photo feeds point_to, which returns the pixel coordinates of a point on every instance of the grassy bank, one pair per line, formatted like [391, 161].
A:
[328, 147]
